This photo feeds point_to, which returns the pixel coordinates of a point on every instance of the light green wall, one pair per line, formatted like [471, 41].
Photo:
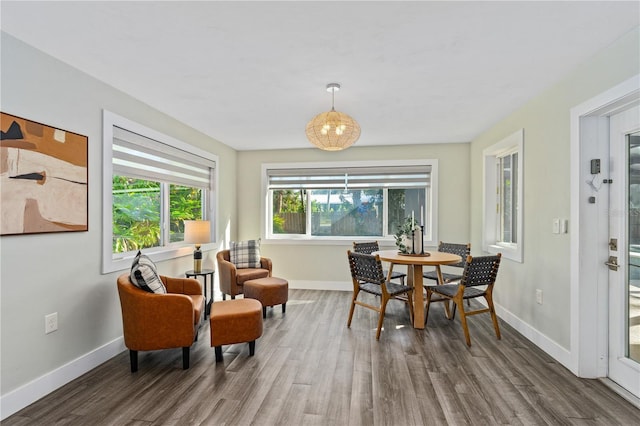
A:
[328, 262]
[60, 272]
[546, 120]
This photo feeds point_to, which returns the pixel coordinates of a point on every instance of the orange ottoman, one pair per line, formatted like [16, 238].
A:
[270, 291]
[235, 321]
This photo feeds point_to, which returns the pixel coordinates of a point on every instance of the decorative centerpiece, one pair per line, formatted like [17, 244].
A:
[409, 237]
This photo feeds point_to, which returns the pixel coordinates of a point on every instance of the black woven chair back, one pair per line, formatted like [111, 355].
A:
[462, 250]
[366, 268]
[366, 247]
[480, 271]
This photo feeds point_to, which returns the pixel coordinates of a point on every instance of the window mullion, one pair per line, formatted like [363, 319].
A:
[164, 214]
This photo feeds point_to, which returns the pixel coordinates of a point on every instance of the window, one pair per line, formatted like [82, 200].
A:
[333, 201]
[152, 184]
[503, 194]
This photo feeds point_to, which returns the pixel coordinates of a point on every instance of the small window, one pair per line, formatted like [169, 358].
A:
[152, 184]
[503, 197]
[360, 200]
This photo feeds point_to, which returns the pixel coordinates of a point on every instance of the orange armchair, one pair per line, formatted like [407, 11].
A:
[232, 278]
[160, 321]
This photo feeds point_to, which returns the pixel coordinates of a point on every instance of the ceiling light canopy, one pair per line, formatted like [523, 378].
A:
[333, 130]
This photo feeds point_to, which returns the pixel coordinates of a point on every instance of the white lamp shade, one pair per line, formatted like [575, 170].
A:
[197, 231]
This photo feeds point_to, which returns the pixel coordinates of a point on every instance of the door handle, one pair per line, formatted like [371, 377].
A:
[612, 263]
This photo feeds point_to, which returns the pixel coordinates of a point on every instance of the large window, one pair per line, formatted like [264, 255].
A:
[338, 201]
[503, 197]
[152, 184]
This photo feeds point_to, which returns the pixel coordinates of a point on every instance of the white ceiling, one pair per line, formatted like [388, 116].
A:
[252, 74]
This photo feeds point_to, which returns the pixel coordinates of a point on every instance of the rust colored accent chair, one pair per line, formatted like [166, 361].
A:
[232, 279]
[160, 321]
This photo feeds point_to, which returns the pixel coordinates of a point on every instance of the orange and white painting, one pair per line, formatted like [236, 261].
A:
[43, 178]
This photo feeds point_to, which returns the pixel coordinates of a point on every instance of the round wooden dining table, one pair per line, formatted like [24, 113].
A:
[414, 274]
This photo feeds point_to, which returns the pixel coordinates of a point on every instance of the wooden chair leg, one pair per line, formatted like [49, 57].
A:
[410, 300]
[383, 308]
[185, 358]
[133, 357]
[264, 312]
[284, 307]
[463, 321]
[452, 315]
[252, 347]
[218, 350]
[494, 318]
[353, 306]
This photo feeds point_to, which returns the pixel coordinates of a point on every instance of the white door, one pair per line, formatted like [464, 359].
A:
[624, 249]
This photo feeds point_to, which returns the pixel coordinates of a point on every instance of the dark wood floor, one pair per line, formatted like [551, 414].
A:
[310, 369]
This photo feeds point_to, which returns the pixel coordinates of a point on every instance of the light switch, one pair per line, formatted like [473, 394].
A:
[564, 225]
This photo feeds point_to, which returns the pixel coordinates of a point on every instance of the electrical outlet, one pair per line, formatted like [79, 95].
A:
[50, 323]
[539, 296]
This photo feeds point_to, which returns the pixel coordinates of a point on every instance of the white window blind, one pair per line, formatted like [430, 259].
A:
[144, 158]
[352, 177]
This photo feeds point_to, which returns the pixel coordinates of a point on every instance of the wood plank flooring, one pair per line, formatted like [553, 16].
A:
[310, 369]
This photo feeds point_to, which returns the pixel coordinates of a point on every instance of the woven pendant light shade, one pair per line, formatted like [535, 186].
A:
[333, 130]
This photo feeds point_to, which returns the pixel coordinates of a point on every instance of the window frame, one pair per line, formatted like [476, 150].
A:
[492, 213]
[389, 240]
[112, 262]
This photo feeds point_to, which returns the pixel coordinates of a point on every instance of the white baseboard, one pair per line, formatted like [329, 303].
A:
[321, 285]
[554, 350]
[21, 397]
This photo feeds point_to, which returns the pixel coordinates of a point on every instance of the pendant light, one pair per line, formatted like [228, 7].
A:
[333, 130]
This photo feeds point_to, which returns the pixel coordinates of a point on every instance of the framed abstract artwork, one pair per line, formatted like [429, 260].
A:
[43, 178]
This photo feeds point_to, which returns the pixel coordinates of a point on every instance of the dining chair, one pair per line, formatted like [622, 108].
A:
[367, 276]
[462, 250]
[478, 280]
[369, 247]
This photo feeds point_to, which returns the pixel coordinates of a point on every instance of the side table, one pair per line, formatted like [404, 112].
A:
[204, 273]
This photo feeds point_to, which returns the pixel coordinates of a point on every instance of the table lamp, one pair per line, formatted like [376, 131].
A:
[197, 232]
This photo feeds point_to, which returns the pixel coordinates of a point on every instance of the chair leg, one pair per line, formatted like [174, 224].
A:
[224, 296]
[133, 357]
[410, 300]
[353, 306]
[284, 307]
[185, 358]
[252, 347]
[383, 308]
[218, 350]
[451, 316]
[492, 311]
[264, 312]
[463, 320]
[426, 308]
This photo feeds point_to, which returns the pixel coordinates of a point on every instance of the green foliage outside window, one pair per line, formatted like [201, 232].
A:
[137, 205]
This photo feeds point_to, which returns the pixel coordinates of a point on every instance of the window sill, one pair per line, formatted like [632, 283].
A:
[508, 252]
[157, 254]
